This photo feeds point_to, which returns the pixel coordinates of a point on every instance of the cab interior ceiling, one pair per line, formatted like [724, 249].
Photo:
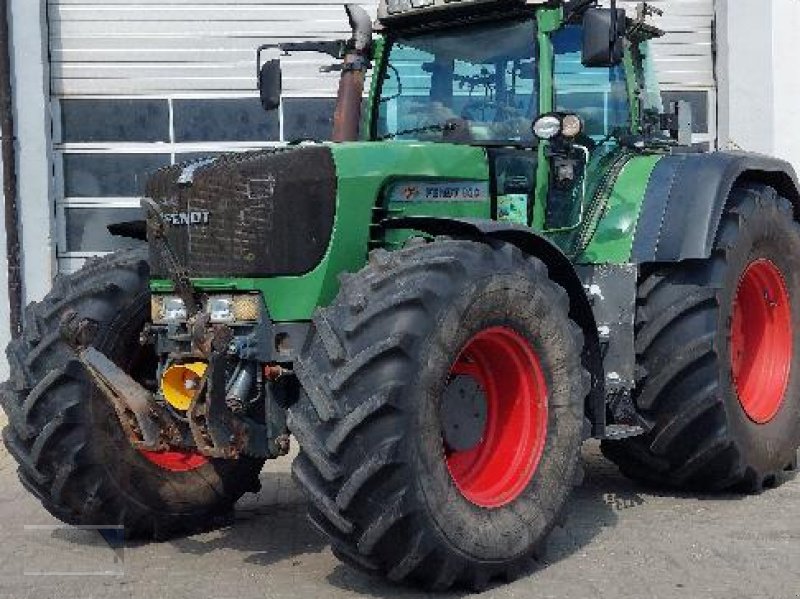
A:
[482, 48]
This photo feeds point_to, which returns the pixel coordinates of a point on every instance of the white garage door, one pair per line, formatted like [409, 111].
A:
[139, 84]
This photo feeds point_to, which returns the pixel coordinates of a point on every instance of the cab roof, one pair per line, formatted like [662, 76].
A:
[401, 13]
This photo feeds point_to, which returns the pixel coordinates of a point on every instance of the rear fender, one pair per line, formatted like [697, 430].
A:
[686, 197]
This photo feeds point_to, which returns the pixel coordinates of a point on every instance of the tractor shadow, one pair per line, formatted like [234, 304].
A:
[267, 527]
[271, 527]
[594, 506]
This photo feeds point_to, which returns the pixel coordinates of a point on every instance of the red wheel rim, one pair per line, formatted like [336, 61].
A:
[175, 461]
[499, 468]
[761, 340]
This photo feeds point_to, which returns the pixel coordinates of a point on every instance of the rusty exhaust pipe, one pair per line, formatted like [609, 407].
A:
[347, 118]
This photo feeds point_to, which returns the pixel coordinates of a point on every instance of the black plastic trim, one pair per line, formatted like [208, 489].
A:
[686, 196]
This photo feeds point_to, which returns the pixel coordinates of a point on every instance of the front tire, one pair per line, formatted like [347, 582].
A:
[71, 451]
[394, 483]
[716, 340]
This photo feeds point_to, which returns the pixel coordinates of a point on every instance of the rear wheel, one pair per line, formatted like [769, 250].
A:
[716, 341]
[442, 414]
[70, 447]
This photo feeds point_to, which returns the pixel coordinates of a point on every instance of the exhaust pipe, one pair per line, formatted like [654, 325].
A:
[347, 118]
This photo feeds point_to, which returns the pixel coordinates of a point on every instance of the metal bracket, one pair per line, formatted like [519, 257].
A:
[217, 431]
[143, 421]
[334, 48]
[611, 289]
[178, 273]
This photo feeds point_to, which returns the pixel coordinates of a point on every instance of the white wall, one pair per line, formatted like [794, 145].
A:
[31, 85]
[5, 325]
[744, 73]
[757, 71]
[31, 91]
[785, 69]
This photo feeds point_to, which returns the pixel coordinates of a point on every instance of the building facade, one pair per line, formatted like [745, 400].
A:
[106, 91]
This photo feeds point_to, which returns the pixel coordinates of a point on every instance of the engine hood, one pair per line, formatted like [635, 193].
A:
[256, 214]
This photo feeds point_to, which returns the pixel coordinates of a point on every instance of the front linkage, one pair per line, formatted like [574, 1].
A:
[221, 413]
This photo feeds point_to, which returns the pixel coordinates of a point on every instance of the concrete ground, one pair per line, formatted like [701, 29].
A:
[621, 541]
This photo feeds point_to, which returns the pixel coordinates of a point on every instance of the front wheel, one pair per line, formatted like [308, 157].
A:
[65, 436]
[442, 414]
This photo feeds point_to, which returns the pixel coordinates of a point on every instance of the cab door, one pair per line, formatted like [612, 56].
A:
[601, 97]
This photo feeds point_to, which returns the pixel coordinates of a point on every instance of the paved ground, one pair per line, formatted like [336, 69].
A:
[621, 541]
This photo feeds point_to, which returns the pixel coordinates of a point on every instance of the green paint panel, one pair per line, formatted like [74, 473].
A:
[363, 169]
[366, 168]
[613, 241]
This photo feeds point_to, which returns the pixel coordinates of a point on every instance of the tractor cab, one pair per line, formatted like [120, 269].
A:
[549, 90]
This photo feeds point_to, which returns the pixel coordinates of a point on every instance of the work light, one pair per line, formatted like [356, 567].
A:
[233, 308]
[547, 127]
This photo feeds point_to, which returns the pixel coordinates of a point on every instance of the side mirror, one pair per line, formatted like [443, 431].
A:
[270, 84]
[603, 31]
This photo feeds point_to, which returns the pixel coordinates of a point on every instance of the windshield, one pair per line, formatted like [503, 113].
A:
[476, 83]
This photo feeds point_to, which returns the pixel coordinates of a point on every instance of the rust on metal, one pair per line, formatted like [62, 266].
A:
[347, 117]
[144, 423]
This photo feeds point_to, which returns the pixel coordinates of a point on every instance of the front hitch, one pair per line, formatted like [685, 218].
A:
[215, 426]
[218, 424]
[148, 427]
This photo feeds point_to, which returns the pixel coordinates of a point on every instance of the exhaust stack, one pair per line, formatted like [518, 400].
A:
[347, 118]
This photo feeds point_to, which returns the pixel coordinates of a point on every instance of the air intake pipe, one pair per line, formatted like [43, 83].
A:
[347, 118]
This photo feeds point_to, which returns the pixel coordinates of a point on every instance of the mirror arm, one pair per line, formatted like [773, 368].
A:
[333, 48]
[613, 31]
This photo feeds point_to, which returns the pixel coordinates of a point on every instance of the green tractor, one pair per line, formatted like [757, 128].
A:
[511, 248]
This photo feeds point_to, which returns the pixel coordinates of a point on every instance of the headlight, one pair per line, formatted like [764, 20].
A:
[167, 309]
[220, 308]
[571, 126]
[550, 126]
[233, 308]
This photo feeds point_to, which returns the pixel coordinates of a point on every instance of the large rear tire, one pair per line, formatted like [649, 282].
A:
[717, 345]
[66, 438]
[442, 414]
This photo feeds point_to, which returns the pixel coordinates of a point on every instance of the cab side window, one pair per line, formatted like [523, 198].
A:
[598, 95]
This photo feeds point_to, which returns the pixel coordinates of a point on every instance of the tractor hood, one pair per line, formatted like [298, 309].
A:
[257, 214]
[286, 223]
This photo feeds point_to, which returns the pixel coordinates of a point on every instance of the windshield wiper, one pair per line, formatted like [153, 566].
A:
[450, 126]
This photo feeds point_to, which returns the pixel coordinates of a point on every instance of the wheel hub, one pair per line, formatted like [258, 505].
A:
[175, 461]
[463, 413]
[493, 456]
[761, 340]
